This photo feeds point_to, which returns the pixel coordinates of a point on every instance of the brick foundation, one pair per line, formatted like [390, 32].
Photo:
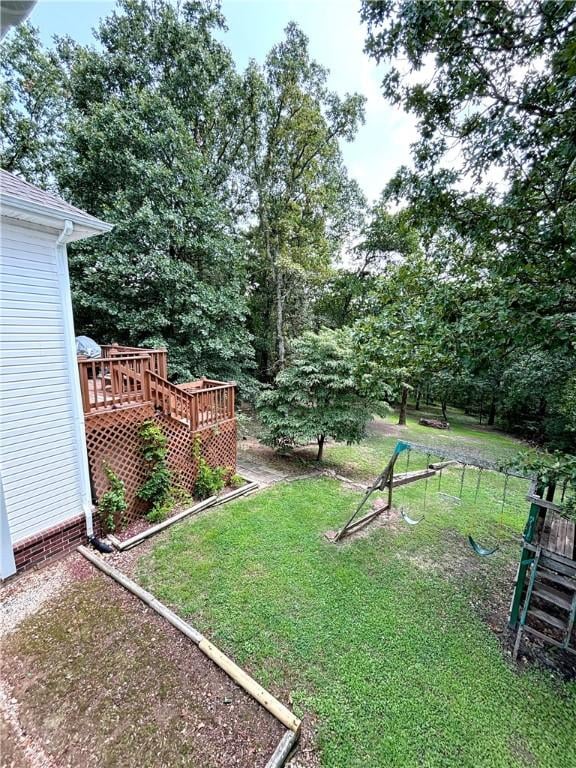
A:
[50, 543]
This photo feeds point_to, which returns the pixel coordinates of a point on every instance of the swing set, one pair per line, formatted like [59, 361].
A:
[388, 481]
[544, 599]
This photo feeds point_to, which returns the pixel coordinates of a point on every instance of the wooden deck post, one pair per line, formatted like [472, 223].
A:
[146, 379]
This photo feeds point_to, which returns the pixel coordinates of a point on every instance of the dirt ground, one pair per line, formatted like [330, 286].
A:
[92, 677]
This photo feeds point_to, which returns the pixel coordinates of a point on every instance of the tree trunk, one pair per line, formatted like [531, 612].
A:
[277, 278]
[403, 406]
[443, 407]
[321, 439]
[280, 319]
[418, 398]
[492, 412]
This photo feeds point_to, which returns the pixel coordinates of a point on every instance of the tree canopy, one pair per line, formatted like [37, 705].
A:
[319, 394]
[491, 85]
[240, 235]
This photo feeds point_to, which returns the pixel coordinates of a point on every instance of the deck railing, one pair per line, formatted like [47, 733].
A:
[200, 407]
[121, 380]
[112, 382]
[158, 357]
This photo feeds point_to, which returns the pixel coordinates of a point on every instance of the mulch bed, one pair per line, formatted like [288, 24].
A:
[141, 523]
[97, 679]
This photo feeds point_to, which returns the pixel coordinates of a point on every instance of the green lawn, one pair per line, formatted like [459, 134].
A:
[384, 640]
[465, 436]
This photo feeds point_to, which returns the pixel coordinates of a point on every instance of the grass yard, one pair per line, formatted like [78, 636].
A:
[385, 640]
[465, 435]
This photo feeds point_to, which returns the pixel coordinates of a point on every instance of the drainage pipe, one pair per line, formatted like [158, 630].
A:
[285, 746]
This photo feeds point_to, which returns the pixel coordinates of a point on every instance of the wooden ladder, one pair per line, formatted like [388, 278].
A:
[552, 584]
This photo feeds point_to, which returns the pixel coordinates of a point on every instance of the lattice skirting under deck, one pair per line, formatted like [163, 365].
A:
[112, 437]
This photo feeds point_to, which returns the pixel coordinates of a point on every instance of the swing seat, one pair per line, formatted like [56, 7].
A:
[480, 550]
[410, 520]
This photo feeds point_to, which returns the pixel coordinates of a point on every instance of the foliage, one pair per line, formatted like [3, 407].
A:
[318, 394]
[407, 335]
[491, 84]
[305, 206]
[112, 503]
[236, 481]
[209, 480]
[146, 150]
[159, 490]
[232, 206]
[553, 469]
[32, 95]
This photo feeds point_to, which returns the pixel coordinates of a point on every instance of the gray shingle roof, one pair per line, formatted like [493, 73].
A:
[19, 189]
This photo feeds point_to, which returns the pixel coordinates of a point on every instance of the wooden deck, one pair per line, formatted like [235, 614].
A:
[129, 377]
[558, 534]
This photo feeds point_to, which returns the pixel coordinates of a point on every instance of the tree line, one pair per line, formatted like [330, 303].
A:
[241, 243]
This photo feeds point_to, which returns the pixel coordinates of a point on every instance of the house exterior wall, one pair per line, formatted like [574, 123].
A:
[42, 450]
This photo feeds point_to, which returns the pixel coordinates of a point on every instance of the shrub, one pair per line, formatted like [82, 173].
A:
[112, 504]
[236, 481]
[209, 481]
[159, 490]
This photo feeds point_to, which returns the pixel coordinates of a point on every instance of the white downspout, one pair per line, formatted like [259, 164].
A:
[70, 345]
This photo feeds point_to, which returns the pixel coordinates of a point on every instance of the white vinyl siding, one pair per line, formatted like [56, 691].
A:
[38, 440]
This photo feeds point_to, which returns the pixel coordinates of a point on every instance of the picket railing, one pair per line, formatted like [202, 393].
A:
[112, 382]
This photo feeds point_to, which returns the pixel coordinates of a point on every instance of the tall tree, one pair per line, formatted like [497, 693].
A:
[33, 104]
[144, 153]
[494, 83]
[298, 180]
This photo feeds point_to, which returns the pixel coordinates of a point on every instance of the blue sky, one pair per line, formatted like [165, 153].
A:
[254, 26]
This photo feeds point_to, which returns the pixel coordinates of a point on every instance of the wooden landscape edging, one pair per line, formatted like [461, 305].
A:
[236, 673]
[285, 746]
[213, 501]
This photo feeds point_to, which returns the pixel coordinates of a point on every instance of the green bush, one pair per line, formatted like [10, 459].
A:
[159, 490]
[209, 481]
[236, 481]
[112, 504]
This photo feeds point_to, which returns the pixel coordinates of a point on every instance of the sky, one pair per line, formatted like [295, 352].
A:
[336, 41]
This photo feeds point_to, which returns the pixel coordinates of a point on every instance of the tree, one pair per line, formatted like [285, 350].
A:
[318, 394]
[501, 97]
[491, 85]
[400, 333]
[301, 196]
[33, 98]
[144, 154]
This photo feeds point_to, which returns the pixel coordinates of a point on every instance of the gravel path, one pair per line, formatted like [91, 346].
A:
[26, 594]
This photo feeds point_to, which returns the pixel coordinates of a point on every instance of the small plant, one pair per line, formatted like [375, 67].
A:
[236, 481]
[158, 513]
[244, 424]
[112, 504]
[159, 490]
[552, 468]
[209, 481]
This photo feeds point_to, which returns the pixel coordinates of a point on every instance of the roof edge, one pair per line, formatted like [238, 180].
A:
[86, 221]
